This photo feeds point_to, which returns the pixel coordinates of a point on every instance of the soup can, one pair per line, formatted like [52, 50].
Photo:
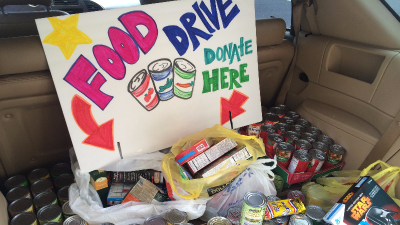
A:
[264, 110]
[18, 193]
[38, 174]
[15, 181]
[314, 130]
[266, 130]
[296, 194]
[50, 213]
[41, 186]
[294, 115]
[63, 195]
[26, 218]
[271, 118]
[53, 223]
[161, 72]
[316, 214]
[282, 220]
[253, 209]
[60, 168]
[320, 146]
[66, 210]
[278, 111]
[143, 90]
[284, 107]
[233, 215]
[303, 145]
[272, 141]
[284, 152]
[309, 137]
[291, 137]
[288, 120]
[44, 199]
[20, 206]
[300, 219]
[219, 221]
[298, 128]
[184, 78]
[300, 162]
[175, 216]
[281, 128]
[272, 198]
[155, 220]
[74, 220]
[254, 129]
[326, 139]
[318, 159]
[334, 156]
[303, 122]
[268, 222]
[64, 180]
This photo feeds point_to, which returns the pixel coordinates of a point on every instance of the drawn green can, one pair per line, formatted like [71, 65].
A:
[184, 77]
[50, 213]
[253, 209]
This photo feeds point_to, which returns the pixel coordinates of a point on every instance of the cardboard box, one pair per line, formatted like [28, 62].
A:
[98, 179]
[155, 177]
[117, 193]
[365, 203]
[145, 191]
[191, 151]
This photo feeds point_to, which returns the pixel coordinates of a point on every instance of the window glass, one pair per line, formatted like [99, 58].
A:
[275, 8]
[395, 5]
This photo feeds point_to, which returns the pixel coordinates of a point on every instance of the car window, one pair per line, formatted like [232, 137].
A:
[394, 7]
[274, 8]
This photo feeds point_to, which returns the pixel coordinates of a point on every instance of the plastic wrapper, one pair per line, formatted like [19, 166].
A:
[285, 207]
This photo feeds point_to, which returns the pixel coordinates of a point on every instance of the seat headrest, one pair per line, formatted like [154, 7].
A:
[25, 2]
[270, 31]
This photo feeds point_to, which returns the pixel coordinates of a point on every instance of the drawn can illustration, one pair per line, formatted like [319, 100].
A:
[142, 88]
[161, 72]
[184, 76]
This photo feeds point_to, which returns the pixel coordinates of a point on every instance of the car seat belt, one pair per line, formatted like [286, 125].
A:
[384, 144]
[311, 18]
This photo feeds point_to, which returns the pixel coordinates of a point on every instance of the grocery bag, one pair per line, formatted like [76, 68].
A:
[206, 187]
[85, 201]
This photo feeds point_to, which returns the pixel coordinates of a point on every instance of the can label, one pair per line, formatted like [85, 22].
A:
[252, 216]
[30, 209]
[297, 166]
[58, 219]
[283, 157]
[270, 147]
[315, 165]
[333, 159]
[254, 130]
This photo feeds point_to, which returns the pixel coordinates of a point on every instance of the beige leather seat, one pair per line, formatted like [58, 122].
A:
[274, 57]
[3, 210]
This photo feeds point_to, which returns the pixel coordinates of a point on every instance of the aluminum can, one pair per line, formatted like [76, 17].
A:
[74, 220]
[264, 110]
[143, 90]
[161, 72]
[300, 219]
[272, 198]
[284, 107]
[66, 210]
[41, 186]
[282, 220]
[253, 209]
[44, 199]
[298, 128]
[38, 174]
[254, 129]
[303, 145]
[272, 141]
[278, 111]
[281, 128]
[64, 180]
[288, 120]
[299, 163]
[63, 195]
[303, 122]
[20, 206]
[175, 216]
[296, 194]
[316, 214]
[270, 118]
[219, 221]
[155, 220]
[18, 193]
[326, 139]
[314, 130]
[317, 161]
[50, 213]
[15, 181]
[294, 115]
[309, 137]
[184, 78]
[291, 137]
[334, 155]
[266, 130]
[53, 223]
[27, 218]
[60, 168]
[321, 146]
[268, 222]
[233, 215]
[284, 152]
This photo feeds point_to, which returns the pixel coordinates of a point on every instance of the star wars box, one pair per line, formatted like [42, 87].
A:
[365, 203]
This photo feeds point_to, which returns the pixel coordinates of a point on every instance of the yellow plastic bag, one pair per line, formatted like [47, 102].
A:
[200, 188]
[316, 194]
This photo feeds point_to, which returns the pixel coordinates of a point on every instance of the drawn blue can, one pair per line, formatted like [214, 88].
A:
[161, 72]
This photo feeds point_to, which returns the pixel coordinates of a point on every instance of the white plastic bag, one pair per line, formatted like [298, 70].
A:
[257, 177]
[85, 201]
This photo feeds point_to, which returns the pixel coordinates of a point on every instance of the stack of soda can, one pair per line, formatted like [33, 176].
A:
[299, 146]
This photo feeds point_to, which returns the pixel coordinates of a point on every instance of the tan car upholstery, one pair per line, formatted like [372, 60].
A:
[3, 210]
[274, 57]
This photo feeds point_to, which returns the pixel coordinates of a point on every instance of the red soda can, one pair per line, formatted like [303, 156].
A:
[334, 156]
[303, 145]
[318, 159]
[320, 146]
[278, 111]
[254, 129]
[295, 194]
[298, 128]
[288, 120]
[294, 115]
[271, 118]
[300, 161]
[314, 130]
[303, 122]
[309, 137]
[326, 139]
[272, 141]
[284, 152]
[143, 90]
[266, 130]
[291, 137]
[281, 128]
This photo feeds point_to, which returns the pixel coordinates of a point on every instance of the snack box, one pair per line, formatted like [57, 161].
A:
[117, 193]
[365, 203]
[155, 177]
[145, 191]
[99, 180]
[191, 151]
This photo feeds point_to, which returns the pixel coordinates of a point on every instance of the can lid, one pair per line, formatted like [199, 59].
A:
[271, 117]
[24, 218]
[268, 128]
[300, 219]
[74, 220]
[20, 205]
[303, 144]
[219, 221]
[66, 209]
[277, 110]
[272, 198]
[234, 214]
[175, 216]
[64, 180]
[293, 114]
[317, 154]
[37, 174]
[285, 147]
[53, 223]
[155, 220]
[255, 199]
[303, 122]
[49, 212]
[17, 193]
[315, 212]
[59, 169]
[268, 222]
[320, 146]
[337, 149]
[314, 130]
[275, 138]
[287, 120]
[302, 156]
[14, 181]
[63, 193]
[41, 186]
[43, 199]
[296, 194]
[298, 128]
[325, 139]
[281, 219]
[292, 135]
[281, 126]
[160, 65]
[284, 107]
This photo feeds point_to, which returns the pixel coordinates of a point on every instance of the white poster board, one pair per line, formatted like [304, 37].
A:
[136, 80]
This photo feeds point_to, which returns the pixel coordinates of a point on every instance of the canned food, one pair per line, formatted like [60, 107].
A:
[309, 137]
[281, 128]
[291, 137]
[50, 213]
[53, 223]
[268, 222]
[316, 214]
[299, 163]
[320, 146]
[66, 210]
[282, 220]
[175, 216]
[284, 107]
[18, 193]
[219, 221]
[45, 199]
[60, 168]
[254, 129]
[264, 110]
[20, 206]
[63, 181]
[266, 130]
[74, 220]
[288, 120]
[326, 139]
[15, 181]
[314, 130]
[26, 218]
[233, 215]
[272, 198]
[296, 194]
[278, 111]
[41, 186]
[318, 159]
[303, 122]
[273, 140]
[303, 145]
[38, 174]
[284, 152]
[270, 118]
[300, 219]
[155, 220]
[294, 115]
[253, 209]
[334, 155]
[63, 195]
[298, 128]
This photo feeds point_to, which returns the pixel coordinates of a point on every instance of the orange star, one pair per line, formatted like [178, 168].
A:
[66, 35]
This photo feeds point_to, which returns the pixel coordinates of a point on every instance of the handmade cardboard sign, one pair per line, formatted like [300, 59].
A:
[136, 80]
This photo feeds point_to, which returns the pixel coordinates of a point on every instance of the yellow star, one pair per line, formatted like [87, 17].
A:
[66, 35]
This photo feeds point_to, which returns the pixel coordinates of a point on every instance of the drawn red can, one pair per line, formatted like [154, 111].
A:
[326, 139]
[288, 120]
[142, 89]
[254, 129]
[320, 146]
[278, 111]
[298, 128]
[303, 122]
[303, 145]
[299, 163]
[317, 161]
[284, 152]
[334, 156]
[291, 137]
[314, 130]
[309, 137]
[294, 115]
[272, 141]
[271, 118]
[266, 130]
[281, 128]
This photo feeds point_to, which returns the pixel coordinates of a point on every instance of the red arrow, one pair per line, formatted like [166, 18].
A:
[99, 136]
[234, 105]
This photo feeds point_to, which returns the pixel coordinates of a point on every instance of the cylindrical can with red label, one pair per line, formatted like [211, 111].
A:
[299, 163]
[303, 145]
[278, 111]
[326, 139]
[314, 130]
[288, 120]
[273, 141]
[266, 130]
[284, 107]
[321, 146]
[254, 129]
[303, 122]
[318, 159]
[291, 137]
[309, 137]
[281, 128]
[334, 156]
[270, 118]
[294, 115]
[284, 152]
[143, 90]
[298, 128]
[296, 194]
[264, 110]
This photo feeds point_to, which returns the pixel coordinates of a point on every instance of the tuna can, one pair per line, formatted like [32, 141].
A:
[278, 111]
[303, 145]
[41, 186]
[155, 220]
[300, 219]
[143, 90]
[266, 130]
[284, 107]
[273, 140]
[334, 155]
[63, 181]
[284, 152]
[253, 209]
[18, 193]
[326, 139]
[272, 198]
[63, 195]
[219, 221]
[74, 220]
[314, 130]
[161, 72]
[268, 222]
[298, 128]
[318, 159]
[294, 115]
[175, 216]
[309, 137]
[271, 118]
[320, 146]
[296, 194]
[45, 199]
[282, 220]
[50, 213]
[254, 129]
[291, 137]
[288, 120]
[233, 215]
[316, 214]
[15, 181]
[299, 163]
[20, 206]
[67, 211]
[303, 122]
[38, 174]
[184, 78]
[27, 218]
[60, 168]
[281, 128]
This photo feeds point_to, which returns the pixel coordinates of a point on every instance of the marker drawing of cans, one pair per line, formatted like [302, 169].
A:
[161, 72]
[184, 77]
[142, 89]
